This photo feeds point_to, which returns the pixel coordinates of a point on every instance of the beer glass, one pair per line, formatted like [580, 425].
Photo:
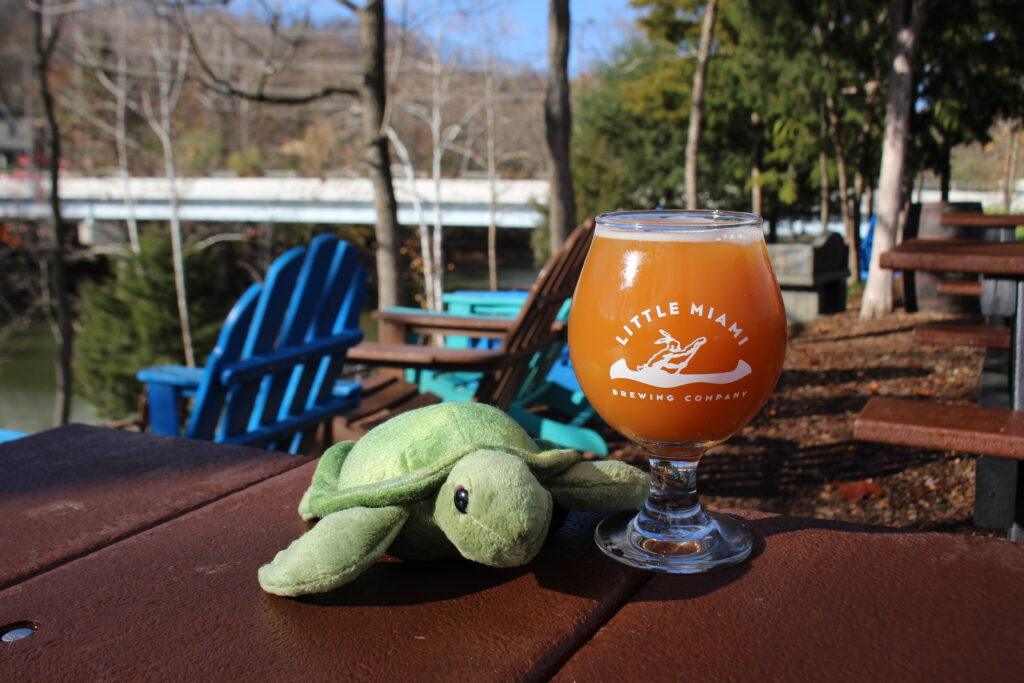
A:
[677, 334]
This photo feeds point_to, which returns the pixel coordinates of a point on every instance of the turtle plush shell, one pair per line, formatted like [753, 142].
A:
[421, 439]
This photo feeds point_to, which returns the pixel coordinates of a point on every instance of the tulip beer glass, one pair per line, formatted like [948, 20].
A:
[677, 334]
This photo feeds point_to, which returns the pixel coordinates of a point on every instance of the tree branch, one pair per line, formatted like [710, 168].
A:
[223, 86]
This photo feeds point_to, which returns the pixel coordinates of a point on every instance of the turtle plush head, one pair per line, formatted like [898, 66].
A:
[454, 479]
[493, 509]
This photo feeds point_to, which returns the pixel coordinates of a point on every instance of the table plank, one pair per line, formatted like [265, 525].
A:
[981, 220]
[825, 601]
[68, 491]
[182, 601]
[970, 429]
[957, 256]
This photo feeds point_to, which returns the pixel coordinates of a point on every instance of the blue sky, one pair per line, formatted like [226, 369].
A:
[597, 25]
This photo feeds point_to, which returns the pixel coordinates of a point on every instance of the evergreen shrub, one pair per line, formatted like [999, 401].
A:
[130, 320]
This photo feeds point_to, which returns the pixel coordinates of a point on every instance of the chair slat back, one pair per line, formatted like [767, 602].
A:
[533, 327]
[309, 297]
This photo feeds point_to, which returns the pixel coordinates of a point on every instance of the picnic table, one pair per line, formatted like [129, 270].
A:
[1001, 267]
[132, 556]
[995, 429]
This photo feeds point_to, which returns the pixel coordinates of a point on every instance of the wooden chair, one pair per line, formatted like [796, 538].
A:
[271, 379]
[509, 374]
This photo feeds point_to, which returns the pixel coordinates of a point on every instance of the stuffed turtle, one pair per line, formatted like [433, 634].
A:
[441, 481]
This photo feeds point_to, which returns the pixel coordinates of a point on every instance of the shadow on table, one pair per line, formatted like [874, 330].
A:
[691, 586]
[766, 467]
[569, 563]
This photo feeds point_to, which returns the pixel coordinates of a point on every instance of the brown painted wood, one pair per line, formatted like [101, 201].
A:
[959, 287]
[824, 601]
[432, 357]
[957, 334]
[981, 220]
[958, 256]
[66, 492]
[505, 369]
[969, 429]
[181, 603]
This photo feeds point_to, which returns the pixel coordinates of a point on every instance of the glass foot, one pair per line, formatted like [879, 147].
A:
[719, 541]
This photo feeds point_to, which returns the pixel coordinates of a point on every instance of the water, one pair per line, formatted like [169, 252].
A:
[27, 382]
[27, 358]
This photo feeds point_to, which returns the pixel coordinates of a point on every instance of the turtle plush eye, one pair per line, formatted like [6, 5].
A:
[461, 499]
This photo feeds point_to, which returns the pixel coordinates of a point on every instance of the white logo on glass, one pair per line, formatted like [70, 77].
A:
[665, 368]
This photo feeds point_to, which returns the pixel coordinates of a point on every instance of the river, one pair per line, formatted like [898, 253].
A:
[27, 358]
[27, 382]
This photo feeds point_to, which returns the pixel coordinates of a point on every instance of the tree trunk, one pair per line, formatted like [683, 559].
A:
[57, 268]
[945, 170]
[707, 31]
[756, 193]
[377, 156]
[826, 190]
[853, 238]
[558, 126]
[492, 178]
[1010, 167]
[906, 22]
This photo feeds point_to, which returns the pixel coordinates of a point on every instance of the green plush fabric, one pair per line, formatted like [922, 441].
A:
[449, 479]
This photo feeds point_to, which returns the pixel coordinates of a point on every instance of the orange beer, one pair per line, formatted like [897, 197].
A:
[677, 337]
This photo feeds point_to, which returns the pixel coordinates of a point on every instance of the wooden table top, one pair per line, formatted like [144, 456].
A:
[69, 491]
[818, 600]
[958, 256]
[981, 220]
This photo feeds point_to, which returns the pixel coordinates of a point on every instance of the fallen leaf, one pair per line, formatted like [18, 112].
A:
[859, 490]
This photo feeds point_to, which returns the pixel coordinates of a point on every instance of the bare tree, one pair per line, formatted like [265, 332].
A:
[371, 92]
[435, 113]
[114, 76]
[905, 16]
[558, 126]
[707, 31]
[46, 31]
[157, 105]
[1011, 130]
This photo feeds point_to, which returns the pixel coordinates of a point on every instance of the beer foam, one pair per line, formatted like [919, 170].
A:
[732, 234]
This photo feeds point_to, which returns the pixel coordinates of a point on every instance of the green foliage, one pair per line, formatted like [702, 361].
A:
[630, 133]
[199, 150]
[967, 74]
[130, 321]
[776, 68]
[246, 162]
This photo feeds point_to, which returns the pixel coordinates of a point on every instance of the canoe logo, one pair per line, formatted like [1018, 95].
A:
[664, 369]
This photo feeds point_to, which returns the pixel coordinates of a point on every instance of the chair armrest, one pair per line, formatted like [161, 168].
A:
[428, 357]
[172, 375]
[165, 385]
[420, 321]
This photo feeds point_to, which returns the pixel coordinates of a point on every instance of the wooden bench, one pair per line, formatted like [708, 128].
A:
[950, 287]
[961, 334]
[966, 428]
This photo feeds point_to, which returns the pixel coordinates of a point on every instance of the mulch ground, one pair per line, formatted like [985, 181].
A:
[799, 457]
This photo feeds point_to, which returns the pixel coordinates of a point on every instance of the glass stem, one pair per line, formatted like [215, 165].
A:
[672, 509]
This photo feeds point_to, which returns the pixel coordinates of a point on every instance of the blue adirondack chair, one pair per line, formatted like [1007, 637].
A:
[271, 379]
[11, 435]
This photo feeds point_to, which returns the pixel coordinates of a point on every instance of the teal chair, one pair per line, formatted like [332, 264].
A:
[512, 370]
[560, 393]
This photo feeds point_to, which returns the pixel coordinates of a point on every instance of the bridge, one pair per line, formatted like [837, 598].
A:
[344, 201]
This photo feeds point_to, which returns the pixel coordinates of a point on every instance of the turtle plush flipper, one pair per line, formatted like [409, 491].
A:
[325, 478]
[335, 551]
[606, 486]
